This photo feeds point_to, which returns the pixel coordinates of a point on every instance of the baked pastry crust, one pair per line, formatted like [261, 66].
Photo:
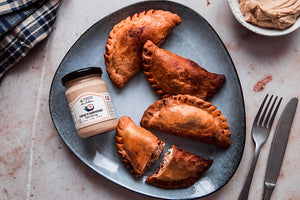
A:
[137, 147]
[125, 42]
[169, 74]
[178, 169]
[190, 117]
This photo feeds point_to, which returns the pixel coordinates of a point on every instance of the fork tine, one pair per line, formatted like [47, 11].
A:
[270, 111]
[260, 109]
[274, 114]
[265, 111]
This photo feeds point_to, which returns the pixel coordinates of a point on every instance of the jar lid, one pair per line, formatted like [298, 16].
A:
[81, 72]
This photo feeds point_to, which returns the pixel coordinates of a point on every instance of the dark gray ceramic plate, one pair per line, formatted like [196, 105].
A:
[195, 39]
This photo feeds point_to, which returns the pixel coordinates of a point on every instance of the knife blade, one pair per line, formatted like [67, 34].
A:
[278, 147]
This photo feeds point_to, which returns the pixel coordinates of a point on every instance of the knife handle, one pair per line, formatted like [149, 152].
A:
[268, 189]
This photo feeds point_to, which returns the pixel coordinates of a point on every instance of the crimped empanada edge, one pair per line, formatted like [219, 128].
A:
[121, 151]
[110, 68]
[171, 184]
[148, 50]
[119, 83]
[110, 46]
[189, 100]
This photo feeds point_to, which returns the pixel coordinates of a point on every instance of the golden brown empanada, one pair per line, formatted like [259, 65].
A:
[123, 51]
[178, 169]
[190, 117]
[170, 74]
[137, 147]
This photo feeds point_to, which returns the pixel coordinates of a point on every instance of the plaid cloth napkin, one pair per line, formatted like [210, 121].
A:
[23, 24]
[8, 6]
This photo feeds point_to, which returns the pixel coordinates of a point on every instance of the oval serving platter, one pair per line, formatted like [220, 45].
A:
[195, 39]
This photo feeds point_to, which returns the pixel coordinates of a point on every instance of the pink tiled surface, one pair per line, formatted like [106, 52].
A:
[36, 164]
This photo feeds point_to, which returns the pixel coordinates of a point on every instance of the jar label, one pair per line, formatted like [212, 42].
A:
[90, 108]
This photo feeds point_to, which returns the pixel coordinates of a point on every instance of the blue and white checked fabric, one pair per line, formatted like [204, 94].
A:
[13, 12]
[19, 39]
[9, 6]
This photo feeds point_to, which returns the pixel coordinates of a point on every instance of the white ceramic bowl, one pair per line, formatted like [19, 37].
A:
[235, 9]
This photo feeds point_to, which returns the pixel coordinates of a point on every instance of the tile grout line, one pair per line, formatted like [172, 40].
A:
[28, 187]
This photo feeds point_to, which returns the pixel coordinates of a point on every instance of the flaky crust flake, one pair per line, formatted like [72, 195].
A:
[190, 117]
[170, 74]
[125, 42]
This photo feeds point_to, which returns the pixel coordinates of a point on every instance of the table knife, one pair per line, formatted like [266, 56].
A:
[278, 147]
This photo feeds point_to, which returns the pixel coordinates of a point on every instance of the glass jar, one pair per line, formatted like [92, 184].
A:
[89, 101]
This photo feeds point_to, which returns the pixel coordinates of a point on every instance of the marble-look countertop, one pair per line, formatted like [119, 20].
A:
[36, 164]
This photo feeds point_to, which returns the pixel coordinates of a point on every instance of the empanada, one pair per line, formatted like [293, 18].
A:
[138, 148]
[170, 74]
[190, 117]
[123, 51]
[178, 169]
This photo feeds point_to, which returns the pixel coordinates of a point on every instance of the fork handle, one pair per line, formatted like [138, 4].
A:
[245, 191]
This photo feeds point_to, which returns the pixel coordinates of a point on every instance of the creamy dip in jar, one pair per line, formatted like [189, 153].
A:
[91, 107]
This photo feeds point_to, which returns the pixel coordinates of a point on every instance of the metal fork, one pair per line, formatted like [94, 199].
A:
[260, 131]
